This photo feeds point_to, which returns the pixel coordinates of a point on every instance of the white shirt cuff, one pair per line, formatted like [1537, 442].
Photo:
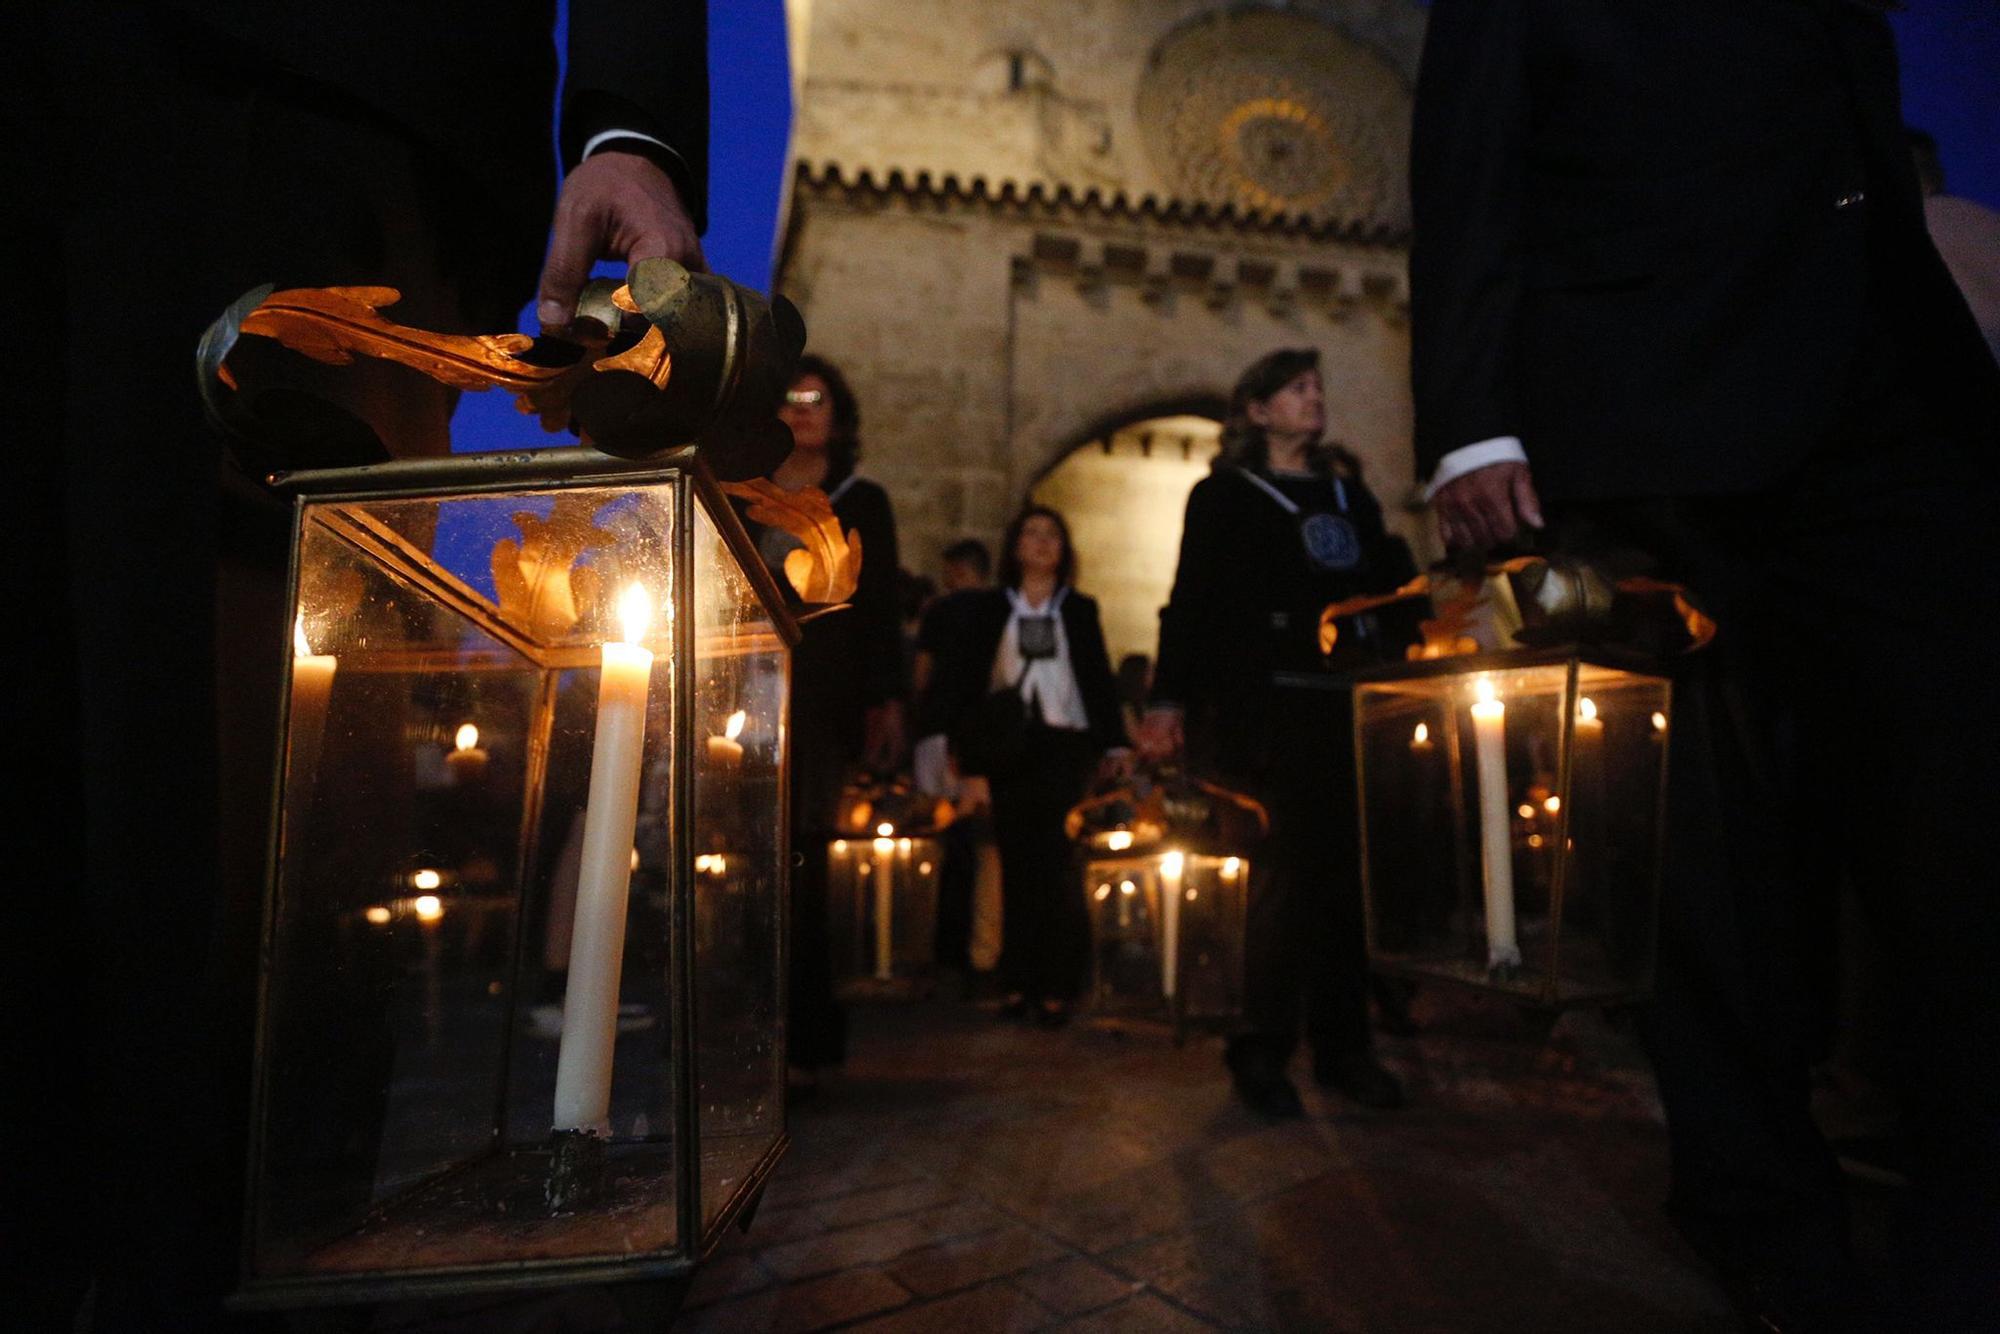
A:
[1471, 458]
[605, 137]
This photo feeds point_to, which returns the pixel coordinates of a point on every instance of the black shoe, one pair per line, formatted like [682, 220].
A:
[1360, 1079]
[1262, 1086]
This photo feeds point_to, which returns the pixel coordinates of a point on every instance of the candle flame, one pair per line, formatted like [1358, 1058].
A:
[1659, 722]
[635, 611]
[1118, 840]
[1173, 863]
[429, 907]
[1552, 805]
[379, 915]
[1422, 735]
[1127, 887]
[840, 845]
[734, 727]
[1586, 710]
[427, 879]
[884, 846]
[1103, 893]
[1483, 690]
[885, 829]
[1230, 866]
[299, 644]
[467, 738]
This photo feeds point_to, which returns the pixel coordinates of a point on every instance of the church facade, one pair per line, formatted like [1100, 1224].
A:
[1042, 239]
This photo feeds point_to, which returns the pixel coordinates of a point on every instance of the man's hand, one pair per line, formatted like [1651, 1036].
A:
[613, 206]
[1486, 506]
[1161, 736]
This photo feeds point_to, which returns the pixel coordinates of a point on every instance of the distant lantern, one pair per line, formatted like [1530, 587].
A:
[1512, 820]
[1166, 884]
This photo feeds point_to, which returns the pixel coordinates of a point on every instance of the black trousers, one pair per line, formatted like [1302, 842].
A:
[1304, 954]
[1847, 715]
[1045, 944]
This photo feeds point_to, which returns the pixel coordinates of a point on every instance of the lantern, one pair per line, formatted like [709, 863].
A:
[1512, 818]
[882, 899]
[1166, 881]
[522, 997]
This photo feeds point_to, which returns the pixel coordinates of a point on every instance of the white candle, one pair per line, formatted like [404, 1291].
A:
[1489, 725]
[885, 944]
[604, 879]
[726, 750]
[1172, 867]
[465, 760]
[312, 686]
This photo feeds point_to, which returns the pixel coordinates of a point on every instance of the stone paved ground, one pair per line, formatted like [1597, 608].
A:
[964, 1175]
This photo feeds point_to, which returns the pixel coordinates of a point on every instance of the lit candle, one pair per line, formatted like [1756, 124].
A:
[466, 760]
[312, 686]
[1489, 724]
[1420, 740]
[604, 879]
[885, 849]
[726, 750]
[1172, 867]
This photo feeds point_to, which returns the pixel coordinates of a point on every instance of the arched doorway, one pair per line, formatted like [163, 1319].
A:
[1124, 495]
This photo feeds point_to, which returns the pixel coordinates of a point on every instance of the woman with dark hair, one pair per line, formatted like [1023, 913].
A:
[847, 682]
[1280, 528]
[1021, 682]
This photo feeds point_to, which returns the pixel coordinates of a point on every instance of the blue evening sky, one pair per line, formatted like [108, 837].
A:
[1951, 87]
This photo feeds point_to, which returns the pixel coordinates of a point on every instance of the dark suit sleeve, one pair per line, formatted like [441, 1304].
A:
[1091, 661]
[1188, 620]
[642, 65]
[1467, 163]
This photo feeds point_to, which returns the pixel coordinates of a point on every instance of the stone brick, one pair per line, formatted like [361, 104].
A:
[871, 1205]
[993, 1309]
[1143, 1314]
[725, 1276]
[875, 1243]
[963, 1263]
[1073, 1286]
[836, 1299]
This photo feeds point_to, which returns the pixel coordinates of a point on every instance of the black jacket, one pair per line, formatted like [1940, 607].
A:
[473, 81]
[962, 633]
[1646, 234]
[1246, 602]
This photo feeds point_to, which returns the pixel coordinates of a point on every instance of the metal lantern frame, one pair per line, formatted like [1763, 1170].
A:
[1546, 989]
[452, 478]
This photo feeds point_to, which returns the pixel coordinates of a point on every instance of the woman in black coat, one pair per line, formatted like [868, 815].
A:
[1282, 527]
[847, 684]
[1036, 636]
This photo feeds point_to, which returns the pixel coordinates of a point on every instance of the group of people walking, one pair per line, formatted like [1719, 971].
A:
[1018, 680]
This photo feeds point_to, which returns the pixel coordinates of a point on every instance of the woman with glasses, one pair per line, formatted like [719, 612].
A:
[847, 684]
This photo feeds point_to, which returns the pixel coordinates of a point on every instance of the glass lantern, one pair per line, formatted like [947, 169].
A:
[522, 1007]
[882, 902]
[1512, 819]
[1166, 931]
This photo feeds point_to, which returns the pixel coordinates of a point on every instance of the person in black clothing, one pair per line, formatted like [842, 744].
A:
[847, 685]
[1282, 527]
[1040, 643]
[181, 153]
[1671, 276]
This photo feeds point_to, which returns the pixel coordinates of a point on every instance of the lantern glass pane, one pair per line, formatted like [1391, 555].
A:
[882, 903]
[740, 684]
[1567, 807]
[444, 713]
[1166, 930]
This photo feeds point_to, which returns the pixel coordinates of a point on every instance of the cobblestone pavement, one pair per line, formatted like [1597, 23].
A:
[966, 1175]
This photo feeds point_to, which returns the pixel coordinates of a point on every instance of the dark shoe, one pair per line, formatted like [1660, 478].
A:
[1263, 1088]
[1780, 1284]
[1360, 1079]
